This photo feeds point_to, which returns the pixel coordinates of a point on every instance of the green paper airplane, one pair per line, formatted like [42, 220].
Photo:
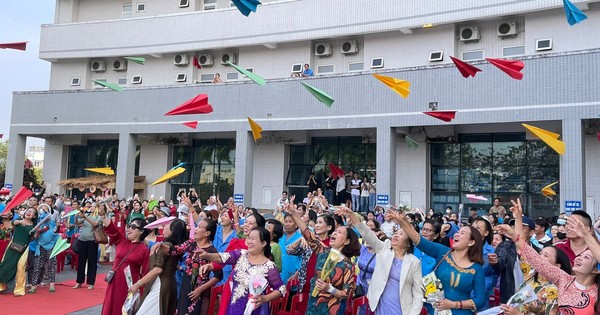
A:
[112, 86]
[319, 94]
[411, 143]
[254, 77]
[60, 246]
[138, 60]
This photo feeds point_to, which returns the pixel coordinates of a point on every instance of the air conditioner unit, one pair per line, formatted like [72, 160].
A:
[205, 60]
[322, 50]
[136, 79]
[120, 65]
[469, 33]
[349, 47]
[181, 60]
[181, 77]
[228, 56]
[507, 29]
[98, 66]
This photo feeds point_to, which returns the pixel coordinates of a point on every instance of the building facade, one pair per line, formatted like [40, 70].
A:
[485, 150]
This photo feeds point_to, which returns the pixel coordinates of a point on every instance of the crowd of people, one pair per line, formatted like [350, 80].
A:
[319, 257]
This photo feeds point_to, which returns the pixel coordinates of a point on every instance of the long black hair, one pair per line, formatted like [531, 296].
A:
[277, 229]
[328, 221]
[178, 232]
[352, 249]
[141, 223]
[260, 220]
[264, 236]
[211, 226]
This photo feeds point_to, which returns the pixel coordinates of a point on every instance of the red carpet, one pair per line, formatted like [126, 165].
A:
[65, 300]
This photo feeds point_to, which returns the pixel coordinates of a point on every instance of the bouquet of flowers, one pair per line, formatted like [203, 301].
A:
[433, 292]
[332, 259]
[520, 298]
[257, 285]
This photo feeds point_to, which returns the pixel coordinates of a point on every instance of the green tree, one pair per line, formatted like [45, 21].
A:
[3, 158]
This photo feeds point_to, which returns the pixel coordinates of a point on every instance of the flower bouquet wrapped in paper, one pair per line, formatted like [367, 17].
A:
[522, 297]
[257, 285]
[433, 292]
[332, 259]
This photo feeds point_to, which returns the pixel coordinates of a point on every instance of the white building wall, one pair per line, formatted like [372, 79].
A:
[412, 173]
[490, 43]
[592, 175]
[154, 162]
[269, 174]
[55, 156]
[62, 71]
[274, 63]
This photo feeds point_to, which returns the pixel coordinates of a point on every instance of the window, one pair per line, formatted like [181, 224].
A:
[231, 76]
[181, 77]
[136, 79]
[184, 3]
[297, 68]
[543, 44]
[436, 56]
[98, 86]
[210, 4]
[356, 66]
[122, 81]
[377, 62]
[513, 51]
[325, 69]
[141, 7]
[207, 77]
[75, 81]
[126, 13]
[96, 153]
[472, 55]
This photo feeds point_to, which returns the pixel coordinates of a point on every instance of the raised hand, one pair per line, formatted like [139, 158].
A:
[516, 209]
[205, 269]
[343, 211]
[576, 226]
[506, 230]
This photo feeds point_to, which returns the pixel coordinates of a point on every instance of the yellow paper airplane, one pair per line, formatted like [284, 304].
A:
[548, 191]
[399, 86]
[256, 129]
[550, 138]
[101, 170]
[169, 175]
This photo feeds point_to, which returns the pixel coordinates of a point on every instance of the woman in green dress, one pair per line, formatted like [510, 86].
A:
[14, 262]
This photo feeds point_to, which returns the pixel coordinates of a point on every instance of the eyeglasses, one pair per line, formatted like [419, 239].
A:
[133, 226]
[426, 230]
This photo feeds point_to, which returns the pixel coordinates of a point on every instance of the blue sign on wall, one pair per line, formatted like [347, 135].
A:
[572, 205]
[383, 199]
[8, 186]
[238, 198]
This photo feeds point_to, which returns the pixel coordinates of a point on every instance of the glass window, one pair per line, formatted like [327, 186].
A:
[301, 155]
[441, 200]
[476, 153]
[510, 179]
[513, 51]
[297, 175]
[127, 8]
[476, 179]
[444, 178]
[445, 154]
[510, 153]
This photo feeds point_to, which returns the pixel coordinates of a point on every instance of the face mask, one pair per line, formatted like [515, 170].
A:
[561, 235]
[448, 211]
[67, 203]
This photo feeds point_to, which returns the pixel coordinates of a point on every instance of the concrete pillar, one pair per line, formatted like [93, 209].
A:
[16, 161]
[386, 163]
[126, 164]
[56, 159]
[154, 163]
[572, 164]
[244, 165]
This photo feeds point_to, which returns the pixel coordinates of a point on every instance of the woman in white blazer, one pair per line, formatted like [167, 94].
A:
[396, 282]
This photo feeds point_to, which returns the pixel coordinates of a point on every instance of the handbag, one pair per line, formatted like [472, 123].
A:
[17, 247]
[75, 245]
[100, 236]
[111, 274]
[360, 291]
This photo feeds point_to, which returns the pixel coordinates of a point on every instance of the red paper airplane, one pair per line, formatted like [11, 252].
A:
[197, 105]
[191, 124]
[465, 69]
[598, 135]
[196, 63]
[446, 116]
[17, 46]
[1, 135]
[511, 67]
[336, 171]
[22, 195]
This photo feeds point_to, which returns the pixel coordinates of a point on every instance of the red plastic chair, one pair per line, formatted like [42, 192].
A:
[349, 303]
[357, 303]
[495, 298]
[299, 305]
[74, 256]
[288, 288]
[215, 295]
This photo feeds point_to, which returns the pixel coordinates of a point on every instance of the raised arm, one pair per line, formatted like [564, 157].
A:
[369, 236]
[308, 235]
[576, 226]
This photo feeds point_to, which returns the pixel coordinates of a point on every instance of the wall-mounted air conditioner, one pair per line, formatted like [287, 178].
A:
[322, 50]
[181, 60]
[228, 56]
[349, 47]
[469, 33]
[205, 60]
[97, 65]
[507, 29]
[120, 65]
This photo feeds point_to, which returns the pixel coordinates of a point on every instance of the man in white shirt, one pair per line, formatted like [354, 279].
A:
[211, 204]
[340, 190]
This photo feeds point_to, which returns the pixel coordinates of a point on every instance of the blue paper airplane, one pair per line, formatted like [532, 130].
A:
[574, 15]
[246, 6]
[179, 165]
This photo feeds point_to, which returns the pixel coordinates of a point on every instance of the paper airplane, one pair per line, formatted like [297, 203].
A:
[411, 143]
[511, 67]
[191, 124]
[71, 213]
[160, 223]
[101, 170]
[197, 105]
[399, 86]
[548, 191]
[574, 15]
[446, 116]
[336, 171]
[60, 246]
[169, 175]
[319, 94]
[138, 60]
[112, 86]
[246, 6]
[22, 195]
[151, 205]
[251, 75]
[550, 138]
[195, 63]
[192, 225]
[16, 46]
[179, 165]
[474, 197]
[256, 129]
[465, 69]
[597, 135]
